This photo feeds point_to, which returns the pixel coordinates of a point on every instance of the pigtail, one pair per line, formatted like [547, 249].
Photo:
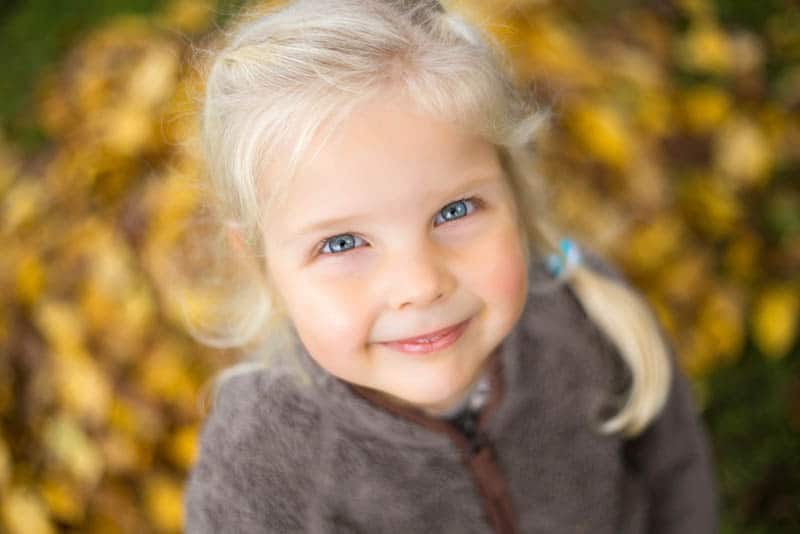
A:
[628, 322]
[624, 317]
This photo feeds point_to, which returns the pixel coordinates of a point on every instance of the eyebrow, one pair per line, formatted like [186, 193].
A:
[327, 223]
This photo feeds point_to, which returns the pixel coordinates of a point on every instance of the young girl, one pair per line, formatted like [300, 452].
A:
[435, 358]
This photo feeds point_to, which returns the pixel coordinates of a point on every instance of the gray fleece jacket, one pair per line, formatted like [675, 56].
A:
[280, 456]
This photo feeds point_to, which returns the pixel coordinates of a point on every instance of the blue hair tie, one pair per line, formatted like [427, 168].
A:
[561, 264]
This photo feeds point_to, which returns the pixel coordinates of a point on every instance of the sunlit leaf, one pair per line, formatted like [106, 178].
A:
[685, 279]
[164, 374]
[743, 257]
[187, 15]
[705, 107]
[83, 388]
[652, 244]
[743, 152]
[775, 319]
[721, 319]
[65, 501]
[124, 453]
[73, 449]
[24, 513]
[127, 130]
[705, 47]
[136, 417]
[654, 112]
[21, 204]
[61, 325]
[603, 131]
[551, 46]
[637, 67]
[30, 278]
[183, 446]
[646, 183]
[163, 502]
[711, 205]
[153, 79]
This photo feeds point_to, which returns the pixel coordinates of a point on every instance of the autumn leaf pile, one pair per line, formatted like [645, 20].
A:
[674, 148]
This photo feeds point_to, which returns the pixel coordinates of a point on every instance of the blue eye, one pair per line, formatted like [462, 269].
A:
[339, 243]
[456, 210]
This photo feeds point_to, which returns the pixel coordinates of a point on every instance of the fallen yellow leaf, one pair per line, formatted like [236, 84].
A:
[65, 501]
[704, 107]
[775, 319]
[602, 131]
[164, 503]
[706, 47]
[72, 449]
[743, 153]
[721, 319]
[183, 446]
[24, 513]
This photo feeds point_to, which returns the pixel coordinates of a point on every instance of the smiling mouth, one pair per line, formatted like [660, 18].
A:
[430, 342]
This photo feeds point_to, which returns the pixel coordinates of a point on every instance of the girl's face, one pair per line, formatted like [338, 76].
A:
[401, 226]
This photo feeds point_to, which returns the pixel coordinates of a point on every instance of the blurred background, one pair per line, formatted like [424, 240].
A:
[674, 149]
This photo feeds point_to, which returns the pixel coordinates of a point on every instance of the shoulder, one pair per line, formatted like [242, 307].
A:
[263, 407]
[255, 449]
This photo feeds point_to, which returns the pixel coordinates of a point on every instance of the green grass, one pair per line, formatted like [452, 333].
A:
[753, 417]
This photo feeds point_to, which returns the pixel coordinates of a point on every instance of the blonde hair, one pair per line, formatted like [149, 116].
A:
[285, 76]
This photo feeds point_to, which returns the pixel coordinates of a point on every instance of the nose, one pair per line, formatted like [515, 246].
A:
[419, 277]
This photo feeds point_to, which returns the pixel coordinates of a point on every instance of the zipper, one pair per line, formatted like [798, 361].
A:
[479, 457]
[467, 424]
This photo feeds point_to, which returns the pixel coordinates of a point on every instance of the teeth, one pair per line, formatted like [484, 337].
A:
[428, 340]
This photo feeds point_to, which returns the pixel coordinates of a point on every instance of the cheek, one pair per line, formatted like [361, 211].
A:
[503, 272]
[330, 320]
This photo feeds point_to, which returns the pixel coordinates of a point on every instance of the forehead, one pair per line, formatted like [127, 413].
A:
[385, 151]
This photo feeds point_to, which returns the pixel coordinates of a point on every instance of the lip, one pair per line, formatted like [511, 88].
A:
[440, 339]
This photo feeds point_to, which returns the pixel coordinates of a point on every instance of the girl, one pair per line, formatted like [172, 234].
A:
[435, 360]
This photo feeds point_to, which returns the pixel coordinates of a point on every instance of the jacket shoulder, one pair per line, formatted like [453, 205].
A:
[256, 446]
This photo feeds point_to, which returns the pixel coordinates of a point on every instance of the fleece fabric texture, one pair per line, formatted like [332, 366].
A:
[280, 456]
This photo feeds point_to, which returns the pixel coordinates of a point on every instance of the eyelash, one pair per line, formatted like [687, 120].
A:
[476, 201]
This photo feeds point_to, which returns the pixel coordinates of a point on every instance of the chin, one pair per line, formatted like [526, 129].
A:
[432, 395]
